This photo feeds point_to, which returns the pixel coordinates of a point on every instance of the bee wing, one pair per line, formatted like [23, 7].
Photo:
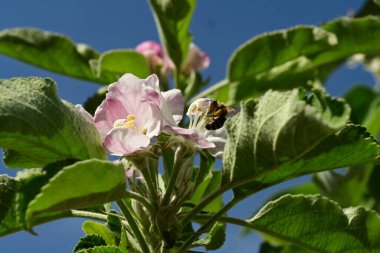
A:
[232, 110]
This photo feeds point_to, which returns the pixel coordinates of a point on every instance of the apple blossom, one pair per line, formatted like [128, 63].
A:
[196, 133]
[135, 111]
[160, 62]
[195, 60]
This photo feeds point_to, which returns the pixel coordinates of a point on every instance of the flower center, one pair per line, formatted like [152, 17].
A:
[129, 122]
[197, 115]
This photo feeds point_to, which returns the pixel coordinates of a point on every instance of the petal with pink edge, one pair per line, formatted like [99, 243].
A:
[219, 138]
[191, 135]
[175, 102]
[122, 141]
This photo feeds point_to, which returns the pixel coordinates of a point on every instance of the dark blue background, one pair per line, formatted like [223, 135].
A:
[218, 26]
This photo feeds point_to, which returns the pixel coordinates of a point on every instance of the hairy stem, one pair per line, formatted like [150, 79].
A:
[178, 162]
[143, 165]
[143, 201]
[224, 188]
[133, 225]
[207, 225]
[90, 215]
[177, 80]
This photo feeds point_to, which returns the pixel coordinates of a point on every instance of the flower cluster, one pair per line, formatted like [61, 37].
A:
[160, 62]
[135, 111]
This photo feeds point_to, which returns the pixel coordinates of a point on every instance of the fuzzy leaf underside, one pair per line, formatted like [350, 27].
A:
[284, 135]
[38, 128]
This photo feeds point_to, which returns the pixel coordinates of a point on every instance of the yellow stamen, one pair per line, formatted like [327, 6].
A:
[130, 123]
[131, 117]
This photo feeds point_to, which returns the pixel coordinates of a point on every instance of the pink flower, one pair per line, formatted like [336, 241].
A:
[196, 134]
[160, 62]
[195, 60]
[135, 111]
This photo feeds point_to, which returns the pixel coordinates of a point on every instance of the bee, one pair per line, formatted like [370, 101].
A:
[217, 115]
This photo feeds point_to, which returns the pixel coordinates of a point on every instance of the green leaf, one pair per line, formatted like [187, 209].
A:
[113, 64]
[374, 187]
[372, 119]
[376, 2]
[268, 248]
[293, 219]
[210, 183]
[50, 51]
[295, 57]
[282, 52]
[39, 127]
[103, 249]
[15, 194]
[278, 60]
[89, 241]
[360, 98]
[96, 228]
[8, 216]
[347, 29]
[215, 238]
[349, 189]
[168, 157]
[114, 225]
[308, 188]
[83, 184]
[206, 165]
[14, 159]
[368, 8]
[8, 189]
[173, 20]
[123, 239]
[284, 135]
[31, 182]
[277, 128]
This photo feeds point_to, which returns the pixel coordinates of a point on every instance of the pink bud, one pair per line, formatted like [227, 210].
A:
[195, 60]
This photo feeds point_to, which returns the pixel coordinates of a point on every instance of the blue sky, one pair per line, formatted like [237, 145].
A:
[218, 26]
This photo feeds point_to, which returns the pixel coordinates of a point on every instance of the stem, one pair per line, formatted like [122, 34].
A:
[132, 223]
[178, 161]
[90, 215]
[143, 201]
[152, 165]
[209, 222]
[233, 184]
[143, 165]
[207, 200]
[177, 80]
